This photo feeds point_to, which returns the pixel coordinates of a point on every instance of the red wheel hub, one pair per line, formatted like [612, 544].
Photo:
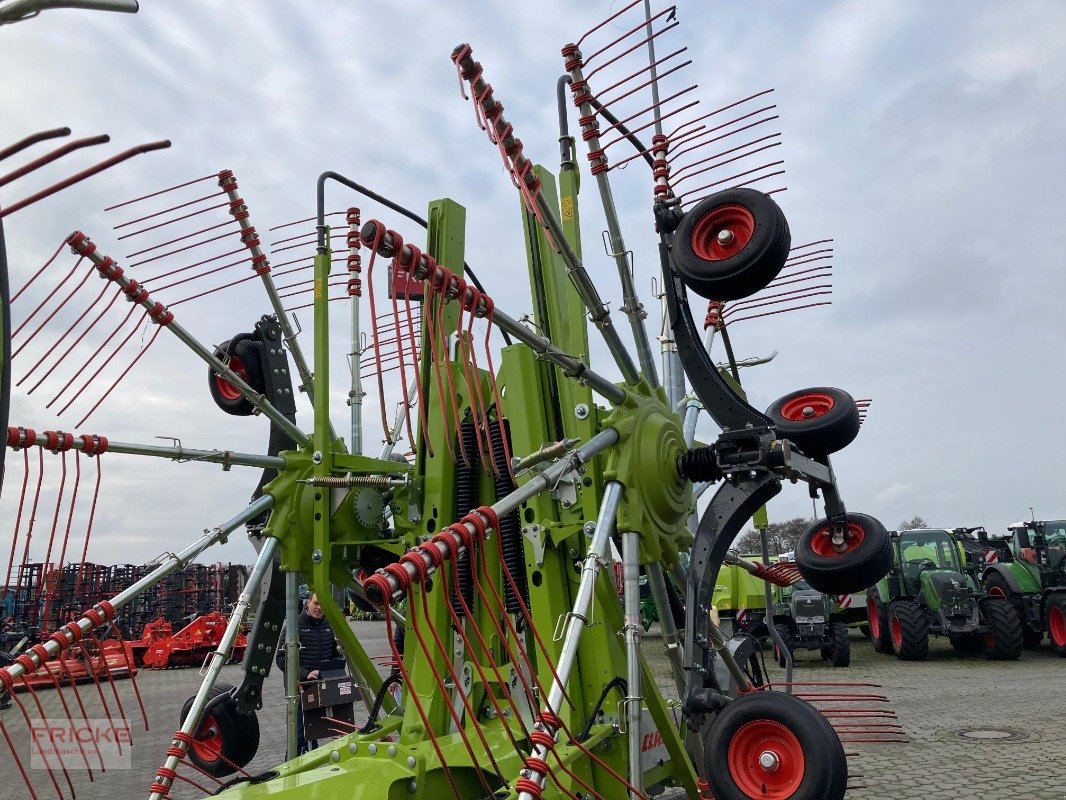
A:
[1056, 626]
[897, 632]
[806, 407]
[208, 743]
[766, 760]
[227, 389]
[873, 617]
[822, 541]
[722, 232]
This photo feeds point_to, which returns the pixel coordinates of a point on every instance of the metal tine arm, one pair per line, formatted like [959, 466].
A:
[65, 636]
[18, 437]
[107, 267]
[217, 658]
[80, 176]
[229, 185]
[631, 305]
[645, 23]
[502, 134]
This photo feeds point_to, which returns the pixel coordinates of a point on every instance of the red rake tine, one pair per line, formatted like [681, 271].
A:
[48, 158]
[32, 139]
[37, 274]
[80, 176]
[18, 761]
[48, 297]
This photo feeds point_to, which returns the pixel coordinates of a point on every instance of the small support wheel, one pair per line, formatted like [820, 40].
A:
[731, 244]
[225, 741]
[820, 421]
[860, 561]
[245, 357]
[774, 746]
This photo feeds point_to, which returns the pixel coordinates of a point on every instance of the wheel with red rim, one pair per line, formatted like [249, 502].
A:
[773, 746]
[225, 741]
[244, 355]
[819, 421]
[731, 244]
[997, 585]
[877, 615]
[858, 561]
[1056, 624]
[908, 627]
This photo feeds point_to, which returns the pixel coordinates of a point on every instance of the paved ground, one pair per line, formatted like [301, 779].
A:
[936, 701]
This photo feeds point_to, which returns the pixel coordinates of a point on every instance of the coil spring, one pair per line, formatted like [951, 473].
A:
[699, 464]
[514, 551]
[466, 498]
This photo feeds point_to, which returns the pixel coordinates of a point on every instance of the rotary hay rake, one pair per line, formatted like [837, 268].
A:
[497, 534]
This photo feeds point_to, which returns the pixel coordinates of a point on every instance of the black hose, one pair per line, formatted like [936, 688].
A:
[379, 698]
[621, 685]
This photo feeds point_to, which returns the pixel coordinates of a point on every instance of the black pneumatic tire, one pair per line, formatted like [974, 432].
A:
[245, 357]
[910, 630]
[785, 632]
[996, 586]
[880, 634]
[820, 421]
[864, 562]
[840, 653]
[224, 735]
[785, 725]
[1003, 641]
[746, 264]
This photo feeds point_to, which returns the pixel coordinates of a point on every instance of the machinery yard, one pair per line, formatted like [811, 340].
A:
[938, 702]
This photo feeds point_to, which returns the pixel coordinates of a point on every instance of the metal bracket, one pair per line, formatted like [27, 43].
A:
[535, 536]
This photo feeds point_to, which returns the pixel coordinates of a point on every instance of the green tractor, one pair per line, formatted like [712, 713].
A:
[1029, 570]
[809, 620]
[928, 592]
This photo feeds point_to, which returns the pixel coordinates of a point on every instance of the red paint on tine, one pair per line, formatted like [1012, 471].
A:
[644, 24]
[80, 176]
[604, 23]
[49, 157]
[18, 761]
[124, 373]
[18, 523]
[47, 297]
[171, 221]
[32, 139]
[37, 274]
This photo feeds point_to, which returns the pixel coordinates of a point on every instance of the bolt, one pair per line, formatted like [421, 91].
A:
[769, 761]
[581, 411]
[334, 756]
[590, 528]
[353, 748]
[392, 750]
[412, 787]
[411, 762]
[372, 748]
[316, 457]
[725, 237]
[567, 503]
[316, 556]
[808, 411]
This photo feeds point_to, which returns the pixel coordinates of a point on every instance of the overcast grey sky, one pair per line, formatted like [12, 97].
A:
[924, 137]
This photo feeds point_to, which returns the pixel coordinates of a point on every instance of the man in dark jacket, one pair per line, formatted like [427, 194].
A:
[318, 645]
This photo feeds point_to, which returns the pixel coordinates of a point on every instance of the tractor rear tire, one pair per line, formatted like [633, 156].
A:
[826, 653]
[785, 632]
[910, 630]
[1056, 624]
[1003, 641]
[225, 741]
[996, 585]
[840, 652]
[755, 250]
[880, 634]
[819, 421]
[866, 558]
[809, 761]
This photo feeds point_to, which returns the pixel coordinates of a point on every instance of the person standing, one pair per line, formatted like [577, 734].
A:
[318, 646]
